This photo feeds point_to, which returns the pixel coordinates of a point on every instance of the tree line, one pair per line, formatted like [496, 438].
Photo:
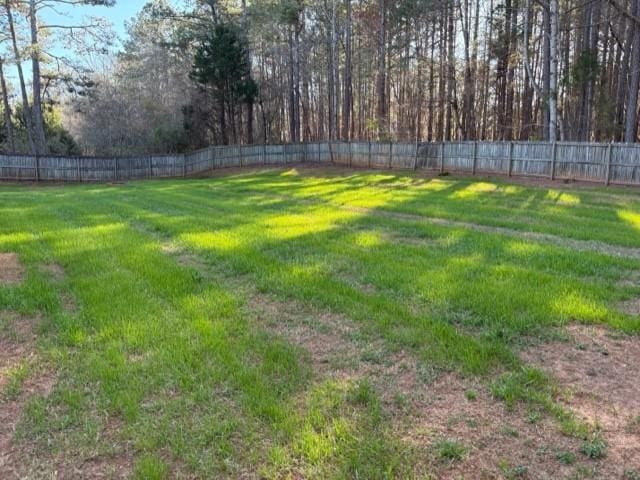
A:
[29, 124]
[273, 71]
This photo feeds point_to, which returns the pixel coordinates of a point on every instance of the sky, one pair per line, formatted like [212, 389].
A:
[117, 15]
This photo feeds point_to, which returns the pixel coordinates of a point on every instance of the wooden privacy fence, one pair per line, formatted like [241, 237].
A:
[596, 162]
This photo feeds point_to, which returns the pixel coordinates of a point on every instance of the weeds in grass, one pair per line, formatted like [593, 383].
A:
[534, 417]
[594, 447]
[633, 426]
[566, 457]
[15, 378]
[150, 467]
[509, 431]
[471, 395]
[512, 473]
[450, 450]
[631, 474]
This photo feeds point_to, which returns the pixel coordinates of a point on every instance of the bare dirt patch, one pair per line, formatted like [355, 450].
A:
[23, 458]
[17, 340]
[630, 307]
[11, 270]
[115, 463]
[497, 443]
[323, 335]
[17, 350]
[631, 280]
[599, 371]
[116, 466]
[112, 462]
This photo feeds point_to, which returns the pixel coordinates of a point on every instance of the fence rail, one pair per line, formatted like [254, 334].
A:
[595, 162]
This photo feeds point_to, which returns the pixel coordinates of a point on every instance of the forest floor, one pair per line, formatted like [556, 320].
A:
[319, 323]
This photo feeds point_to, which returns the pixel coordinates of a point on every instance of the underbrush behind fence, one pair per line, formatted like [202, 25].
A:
[595, 162]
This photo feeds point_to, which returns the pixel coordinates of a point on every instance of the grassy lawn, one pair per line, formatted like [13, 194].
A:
[304, 324]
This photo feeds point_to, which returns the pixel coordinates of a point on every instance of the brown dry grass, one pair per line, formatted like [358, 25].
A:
[18, 345]
[53, 270]
[11, 270]
[630, 307]
[599, 370]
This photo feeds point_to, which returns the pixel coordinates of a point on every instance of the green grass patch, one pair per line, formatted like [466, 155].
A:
[163, 347]
[450, 450]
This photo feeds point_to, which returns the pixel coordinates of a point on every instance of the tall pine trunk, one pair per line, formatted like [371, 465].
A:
[631, 120]
[348, 92]
[26, 108]
[382, 117]
[8, 126]
[38, 117]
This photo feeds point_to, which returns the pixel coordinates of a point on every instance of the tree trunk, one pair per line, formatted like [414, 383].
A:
[442, 85]
[529, 80]
[451, 73]
[293, 131]
[222, 118]
[347, 93]
[245, 29]
[38, 118]
[510, 94]
[546, 72]
[467, 100]
[631, 121]
[26, 109]
[383, 125]
[7, 111]
[553, 69]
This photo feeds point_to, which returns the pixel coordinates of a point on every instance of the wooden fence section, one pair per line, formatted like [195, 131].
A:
[596, 162]
[612, 163]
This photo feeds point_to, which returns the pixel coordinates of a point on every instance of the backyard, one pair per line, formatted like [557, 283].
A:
[320, 323]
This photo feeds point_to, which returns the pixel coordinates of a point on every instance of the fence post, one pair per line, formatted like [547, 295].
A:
[150, 168]
[37, 168]
[475, 157]
[415, 160]
[184, 166]
[510, 157]
[553, 160]
[115, 169]
[350, 155]
[369, 160]
[608, 176]
[441, 157]
[390, 154]
[79, 170]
